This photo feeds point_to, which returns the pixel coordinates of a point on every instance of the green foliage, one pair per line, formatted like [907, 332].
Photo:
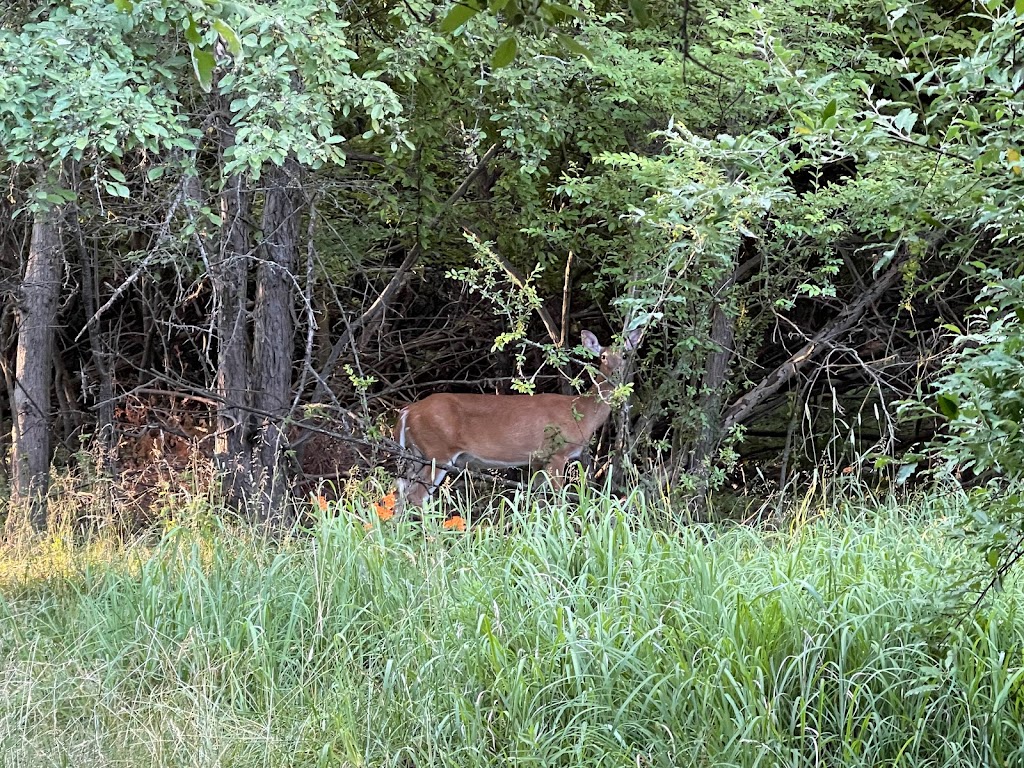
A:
[946, 118]
[93, 78]
[516, 300]
[82, 82]
[297, 86]
[980, 399]
[697, 220]
[981, 394]
[539, 17]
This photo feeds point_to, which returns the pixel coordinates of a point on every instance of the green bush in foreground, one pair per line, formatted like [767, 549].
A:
[581, 638]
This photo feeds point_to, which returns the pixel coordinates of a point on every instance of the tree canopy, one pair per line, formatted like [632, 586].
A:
[254, 221]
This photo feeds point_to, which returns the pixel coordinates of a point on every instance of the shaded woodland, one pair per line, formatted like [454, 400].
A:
[251, 231]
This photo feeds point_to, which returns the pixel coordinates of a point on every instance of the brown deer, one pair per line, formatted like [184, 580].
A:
[507, 430]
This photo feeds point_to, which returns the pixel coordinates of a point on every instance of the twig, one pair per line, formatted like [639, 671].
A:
[520, 281]
[743, 407]
[565, 299]
[396, 283]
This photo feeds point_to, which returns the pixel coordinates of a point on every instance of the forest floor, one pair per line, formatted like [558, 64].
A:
[598, 635]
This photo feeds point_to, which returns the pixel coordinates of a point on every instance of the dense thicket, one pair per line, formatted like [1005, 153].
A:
[252, 216]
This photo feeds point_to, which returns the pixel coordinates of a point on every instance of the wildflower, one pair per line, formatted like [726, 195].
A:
[385, 508]
[321, 502]
[454, 523]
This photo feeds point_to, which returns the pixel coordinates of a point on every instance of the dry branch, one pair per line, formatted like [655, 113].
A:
[822, 341]
[396, 283]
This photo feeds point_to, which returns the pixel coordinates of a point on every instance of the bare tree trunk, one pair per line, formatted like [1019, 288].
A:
[100, 357]
[713, 383]
[230, 271]
[8, 342]
[274, 332]
[716, 371]
[36, 317]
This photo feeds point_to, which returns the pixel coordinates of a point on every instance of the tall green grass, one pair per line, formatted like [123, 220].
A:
[549, 637]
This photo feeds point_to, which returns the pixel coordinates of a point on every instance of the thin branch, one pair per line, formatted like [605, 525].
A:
[520, 281]
[565, 299]
[771, 384]
[397, 281]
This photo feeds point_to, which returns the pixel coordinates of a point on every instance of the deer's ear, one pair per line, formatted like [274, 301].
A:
[632, 340]
[591, 343]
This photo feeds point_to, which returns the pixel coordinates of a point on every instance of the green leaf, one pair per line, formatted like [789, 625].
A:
[229, 36]
[905, 472]
[986, 158]
[565, 10]
[458, 15]
[124, 6]
[116, 190]
[829, 110]
[115, 174]
[905, 120]
[1018, 7]
[948, 406]
[569, 42]
[203, 64]
[993, 557]
[639, 9]
[192, 32]
[504, 53]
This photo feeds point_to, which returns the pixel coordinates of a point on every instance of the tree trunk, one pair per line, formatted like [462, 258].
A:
[716, 370]
[274, 333]
[101, 357]
[714, 380]
[36, 318]
[230, 271]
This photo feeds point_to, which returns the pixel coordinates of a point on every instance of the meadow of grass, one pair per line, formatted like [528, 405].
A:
[549, 636]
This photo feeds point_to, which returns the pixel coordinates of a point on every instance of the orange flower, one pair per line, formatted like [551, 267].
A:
[456, 523]
[385, 508]
[321, 502]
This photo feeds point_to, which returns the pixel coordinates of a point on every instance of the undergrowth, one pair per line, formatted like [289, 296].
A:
[543, 635]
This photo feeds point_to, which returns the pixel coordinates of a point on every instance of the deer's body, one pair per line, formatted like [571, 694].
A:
[505, 430]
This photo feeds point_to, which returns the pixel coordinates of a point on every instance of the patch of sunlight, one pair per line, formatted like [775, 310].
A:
[57, 558]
